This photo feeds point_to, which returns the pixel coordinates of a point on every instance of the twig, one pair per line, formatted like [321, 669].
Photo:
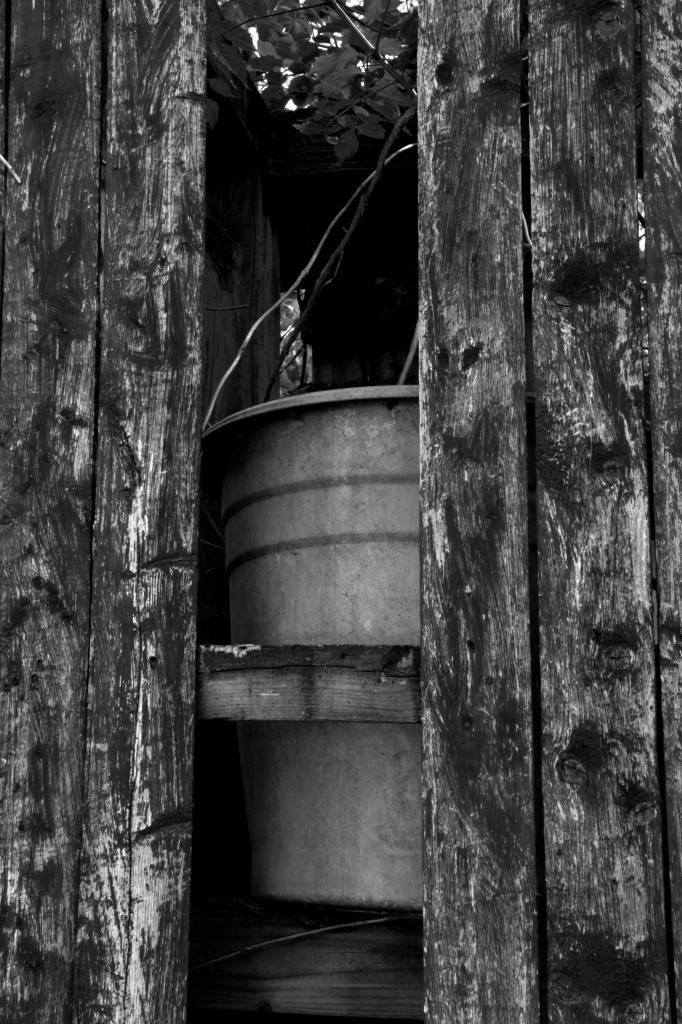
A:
[414, 345]
[10, 169]
[304, 364]
[213, 523]
[329, 266]
[306, 270]
[208, 544]
[299, 935]
[526, 232]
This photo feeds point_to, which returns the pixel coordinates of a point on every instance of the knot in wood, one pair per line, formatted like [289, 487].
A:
[607, 19]
[444, 72]
[638, 802]
[583, 758]
[617, 650]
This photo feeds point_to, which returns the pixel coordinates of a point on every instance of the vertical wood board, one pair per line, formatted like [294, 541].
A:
[242, 281]
[662, 135]
[49, 320]
[134, 898]
[480, 937]
[606, 951]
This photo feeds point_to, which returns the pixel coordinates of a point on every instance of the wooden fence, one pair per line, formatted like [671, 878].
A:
[551, 369]
[99, 413]
[552, 752]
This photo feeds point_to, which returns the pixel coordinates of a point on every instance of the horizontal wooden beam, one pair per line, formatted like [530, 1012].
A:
[306, 960]
[293, 153]
[346, 684]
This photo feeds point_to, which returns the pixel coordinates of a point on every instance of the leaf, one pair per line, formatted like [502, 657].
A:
[300, 28]
[265, 63]
[337, 72]
[221, 87]
[390, 47]
[386, 108]
[346, 146]
[300, 88]
[239, 37]
[266, 49]
[273, 96]
[231, 57]
[307, 51]
[374, 129]
[394, 93]
[339, 64]
[374, 10]
[286, 45]
[258, 8]
[309, 128]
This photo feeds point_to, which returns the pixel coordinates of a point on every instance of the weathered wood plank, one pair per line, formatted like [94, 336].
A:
[662, 136]
[242, 279]
[134, 893]
[481, 960]
[46, 430]
[366, 970]
[606, 943]
[343, 684]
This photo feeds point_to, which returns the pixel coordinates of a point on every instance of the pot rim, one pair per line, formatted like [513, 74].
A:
[316, 398]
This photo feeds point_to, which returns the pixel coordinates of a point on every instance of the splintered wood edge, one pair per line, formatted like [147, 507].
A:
[301, 683]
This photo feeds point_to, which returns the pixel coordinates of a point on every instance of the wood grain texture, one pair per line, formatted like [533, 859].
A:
[134, 893]
[368, 971]
[242, 278]
[46, 433]
[242, 255]
[343, 684]
[607, 958]
[241, 281]
[662, 137]
[480, 937]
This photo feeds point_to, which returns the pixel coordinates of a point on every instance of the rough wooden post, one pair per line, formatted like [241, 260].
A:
[46, 431]
[607, 957]
[481, 962]
[134, 896]
[662, 136]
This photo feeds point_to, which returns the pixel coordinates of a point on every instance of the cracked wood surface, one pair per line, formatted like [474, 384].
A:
[342, 684]
[606, 935]
[46, 435]
[134, 892]
[479, 914]
[662, 139]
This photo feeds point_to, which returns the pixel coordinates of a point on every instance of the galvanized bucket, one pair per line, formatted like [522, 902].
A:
[320, 507]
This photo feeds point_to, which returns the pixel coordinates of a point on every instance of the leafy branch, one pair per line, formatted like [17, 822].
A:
[348, 67]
